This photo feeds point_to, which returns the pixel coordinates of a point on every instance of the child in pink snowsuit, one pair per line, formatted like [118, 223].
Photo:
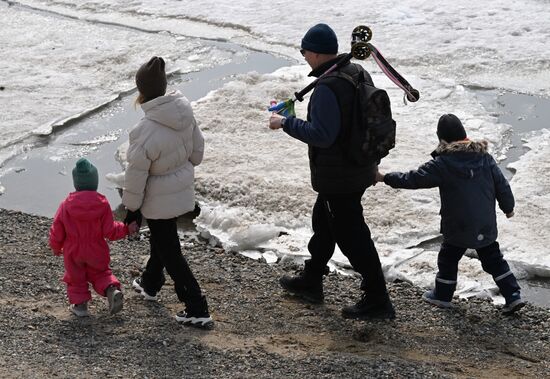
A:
[82, 223]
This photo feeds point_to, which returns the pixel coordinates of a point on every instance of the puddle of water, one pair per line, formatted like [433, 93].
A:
[536, 291]
[525, 113]
[35, 182]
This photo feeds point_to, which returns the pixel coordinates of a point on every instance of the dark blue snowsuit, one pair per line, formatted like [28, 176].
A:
[470, 183]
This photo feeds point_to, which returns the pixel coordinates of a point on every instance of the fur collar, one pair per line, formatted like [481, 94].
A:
[466, 146]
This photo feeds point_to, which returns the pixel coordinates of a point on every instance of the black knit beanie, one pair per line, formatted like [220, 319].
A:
[450, 129]
[320, 39]
[85, 176]
[151, 79]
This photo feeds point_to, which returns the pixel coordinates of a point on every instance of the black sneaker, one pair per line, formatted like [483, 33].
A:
[304, 287]
[198, 319]
[366, 309]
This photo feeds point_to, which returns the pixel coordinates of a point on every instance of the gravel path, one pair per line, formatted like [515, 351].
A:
[260, 332]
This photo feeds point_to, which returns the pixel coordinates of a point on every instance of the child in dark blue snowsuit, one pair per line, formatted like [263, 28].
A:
[469, 182]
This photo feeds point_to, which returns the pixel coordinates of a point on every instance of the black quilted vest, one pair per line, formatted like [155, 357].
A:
[331, 170]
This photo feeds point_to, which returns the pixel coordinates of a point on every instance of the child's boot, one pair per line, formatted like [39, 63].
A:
[115, 299]
[509, 288]
[513, 304]
[442, 294]
[80, 310]
[430, 297]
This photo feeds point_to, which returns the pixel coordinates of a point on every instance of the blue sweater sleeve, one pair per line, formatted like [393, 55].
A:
[426, 176]
[325, 120]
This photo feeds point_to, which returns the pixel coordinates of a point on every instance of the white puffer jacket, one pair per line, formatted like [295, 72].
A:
[164, 148]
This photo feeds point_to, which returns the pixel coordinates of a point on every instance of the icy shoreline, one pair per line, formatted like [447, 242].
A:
[445, 50]
[261, 209]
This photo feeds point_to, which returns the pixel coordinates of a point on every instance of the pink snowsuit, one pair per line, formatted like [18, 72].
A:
[80, 226]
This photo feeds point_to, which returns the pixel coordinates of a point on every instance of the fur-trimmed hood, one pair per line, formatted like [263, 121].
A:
[466, 146]
[463, 158]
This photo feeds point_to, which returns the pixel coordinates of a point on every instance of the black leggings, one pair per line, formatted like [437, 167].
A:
[166, 253]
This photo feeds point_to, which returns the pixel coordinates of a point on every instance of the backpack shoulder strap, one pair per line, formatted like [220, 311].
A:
[354, 78]
[341, 75]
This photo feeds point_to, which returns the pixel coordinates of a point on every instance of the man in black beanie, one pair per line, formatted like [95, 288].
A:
[470, 183]
[320, 39]
[340, 183]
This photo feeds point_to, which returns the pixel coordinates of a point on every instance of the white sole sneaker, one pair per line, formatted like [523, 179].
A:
[438, 303]
[139, 289]
[200, 322]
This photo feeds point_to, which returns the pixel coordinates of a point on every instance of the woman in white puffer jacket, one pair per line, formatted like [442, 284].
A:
[159, 184]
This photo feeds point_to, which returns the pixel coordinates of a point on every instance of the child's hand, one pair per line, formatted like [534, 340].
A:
[133, 228]
[509, 215]
[133, 216]
[379, 177]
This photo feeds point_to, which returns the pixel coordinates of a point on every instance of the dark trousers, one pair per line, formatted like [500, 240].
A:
[166, 253]
[492, 262]
[338, 219]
